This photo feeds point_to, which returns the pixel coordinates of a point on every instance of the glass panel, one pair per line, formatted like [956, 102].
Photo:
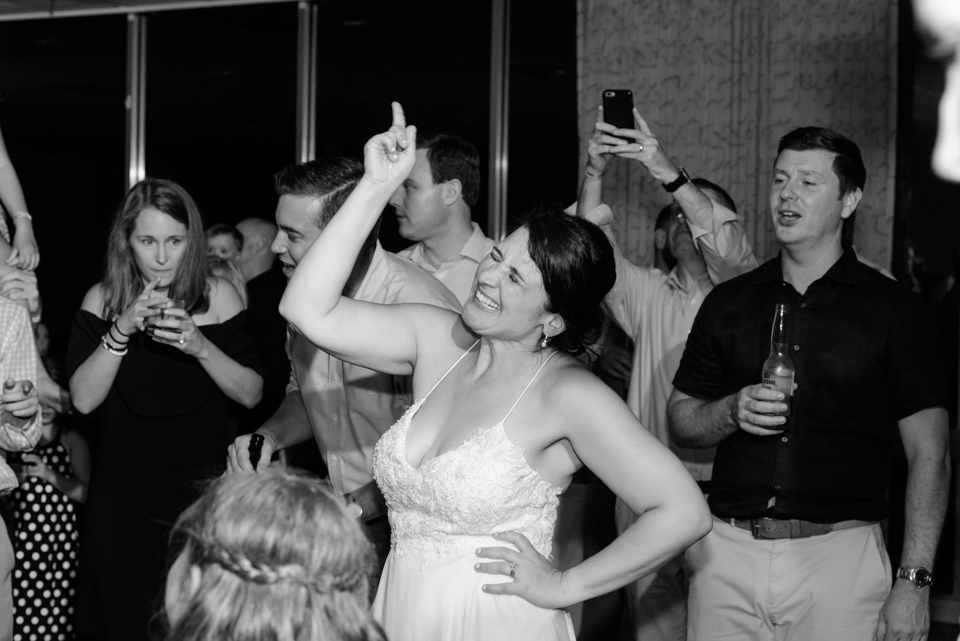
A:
[221, 104]
[62, 92]
[431, 58]
[543, 138]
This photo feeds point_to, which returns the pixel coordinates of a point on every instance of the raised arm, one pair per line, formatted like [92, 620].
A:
[380, 337]
[27, 255]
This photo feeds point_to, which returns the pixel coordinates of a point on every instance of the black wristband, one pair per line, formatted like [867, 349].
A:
[114, 338]
[681, 180]
[118, 330]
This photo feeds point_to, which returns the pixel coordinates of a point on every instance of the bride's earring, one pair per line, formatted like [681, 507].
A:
[543, 342]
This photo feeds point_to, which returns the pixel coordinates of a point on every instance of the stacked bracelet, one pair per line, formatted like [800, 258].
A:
[110, 348]
[115, 339]
[118, 330]
[22, 214]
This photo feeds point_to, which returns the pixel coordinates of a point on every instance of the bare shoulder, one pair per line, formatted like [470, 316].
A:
[71, 440]
[580, 399]
[93, 300]
[225, 302]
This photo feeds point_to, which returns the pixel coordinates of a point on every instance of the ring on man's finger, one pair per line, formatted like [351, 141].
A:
[641, 145]
[513, 570]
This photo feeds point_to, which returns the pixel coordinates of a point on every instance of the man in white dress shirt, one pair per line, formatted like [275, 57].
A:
[434, 208]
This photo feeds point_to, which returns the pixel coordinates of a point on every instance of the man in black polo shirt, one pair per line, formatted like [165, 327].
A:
[796, 551]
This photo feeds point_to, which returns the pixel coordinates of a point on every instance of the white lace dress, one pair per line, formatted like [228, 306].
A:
[440, 513]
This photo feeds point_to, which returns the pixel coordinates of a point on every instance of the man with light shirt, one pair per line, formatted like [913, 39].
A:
[434, 206]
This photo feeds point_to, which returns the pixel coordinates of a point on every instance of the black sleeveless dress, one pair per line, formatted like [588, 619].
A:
[161, 431]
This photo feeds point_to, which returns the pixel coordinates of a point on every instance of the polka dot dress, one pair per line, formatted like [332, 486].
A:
[45, 544]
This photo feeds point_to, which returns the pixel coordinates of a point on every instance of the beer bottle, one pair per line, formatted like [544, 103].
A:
[778, 369]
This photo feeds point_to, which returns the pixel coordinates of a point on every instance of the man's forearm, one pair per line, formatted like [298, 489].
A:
[290, 424]
[700, 424]
[591, 192]
[928, 485]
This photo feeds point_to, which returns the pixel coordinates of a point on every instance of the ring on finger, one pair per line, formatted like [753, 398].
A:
[513, 570]
[181, 339]
[641, 145]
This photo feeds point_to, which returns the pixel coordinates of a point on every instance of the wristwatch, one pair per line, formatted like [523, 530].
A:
[354, 509]
[920, 577]
[680, 181]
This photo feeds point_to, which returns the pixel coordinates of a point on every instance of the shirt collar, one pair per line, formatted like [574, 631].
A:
[475, 247]
[842, 271]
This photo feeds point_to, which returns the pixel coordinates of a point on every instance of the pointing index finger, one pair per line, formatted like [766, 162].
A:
[399, 120]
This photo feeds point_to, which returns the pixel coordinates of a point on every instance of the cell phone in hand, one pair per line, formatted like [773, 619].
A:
[618, 109]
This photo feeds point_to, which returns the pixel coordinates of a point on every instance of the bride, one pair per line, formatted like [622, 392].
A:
[505, 416]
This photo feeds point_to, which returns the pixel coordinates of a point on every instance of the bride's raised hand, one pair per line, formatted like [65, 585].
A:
[535, 578]
[388, 158]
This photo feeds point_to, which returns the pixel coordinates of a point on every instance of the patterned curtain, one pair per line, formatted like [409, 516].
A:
[720, 81]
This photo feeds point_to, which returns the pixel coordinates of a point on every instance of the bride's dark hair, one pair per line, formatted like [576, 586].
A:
[578, 268]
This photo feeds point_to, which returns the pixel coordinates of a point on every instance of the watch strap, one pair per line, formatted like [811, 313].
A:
[919, 576]
[679, 182]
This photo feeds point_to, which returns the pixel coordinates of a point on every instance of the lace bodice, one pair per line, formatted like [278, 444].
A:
[453, 503]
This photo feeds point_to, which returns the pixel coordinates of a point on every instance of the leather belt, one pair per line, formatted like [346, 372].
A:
[369, 499]
[792, 528]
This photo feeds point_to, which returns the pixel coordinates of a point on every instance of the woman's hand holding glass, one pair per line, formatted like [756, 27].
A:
[176, 327]
[134, 318]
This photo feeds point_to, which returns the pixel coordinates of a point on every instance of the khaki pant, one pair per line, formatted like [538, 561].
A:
[826, 587]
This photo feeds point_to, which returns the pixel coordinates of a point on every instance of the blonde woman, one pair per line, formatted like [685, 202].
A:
[273, 555]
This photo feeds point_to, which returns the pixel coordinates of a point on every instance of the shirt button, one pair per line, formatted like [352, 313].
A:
[796, 348]
[803, 304]
[777, 486]
[334, 417]
[335, 378]
[333, 457]
[784, 439]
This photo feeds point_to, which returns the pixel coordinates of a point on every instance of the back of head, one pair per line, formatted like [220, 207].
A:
[452, 157]
[719, 193]
[577, 265]
[279, 558]
[329, 179]
[231, 271]
[122, 281]
[847, 164]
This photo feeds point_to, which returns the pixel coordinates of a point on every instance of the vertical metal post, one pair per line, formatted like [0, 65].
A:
[136, 97]
[499, 118]
[306, 81]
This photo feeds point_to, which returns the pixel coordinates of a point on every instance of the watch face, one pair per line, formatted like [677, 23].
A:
[922, 578]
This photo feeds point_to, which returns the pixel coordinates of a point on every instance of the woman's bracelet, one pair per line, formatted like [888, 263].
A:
[115, 339]
[118, 330]
[22, 214]
[107, 346]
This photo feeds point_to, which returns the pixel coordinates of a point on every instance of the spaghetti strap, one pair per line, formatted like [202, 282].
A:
[451, 369]
[542, 365]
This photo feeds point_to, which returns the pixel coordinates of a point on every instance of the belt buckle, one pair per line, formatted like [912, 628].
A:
[755, 528]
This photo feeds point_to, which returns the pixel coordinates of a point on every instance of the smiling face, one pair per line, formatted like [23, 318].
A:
[421, 212]
[296, 220]
[157, 242]
[805, 200]
[509, 300]
[942, 19]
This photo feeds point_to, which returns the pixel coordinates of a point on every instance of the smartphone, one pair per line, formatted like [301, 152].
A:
[618, 108]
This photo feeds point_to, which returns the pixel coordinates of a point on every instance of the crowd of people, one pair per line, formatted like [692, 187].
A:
[448, 391]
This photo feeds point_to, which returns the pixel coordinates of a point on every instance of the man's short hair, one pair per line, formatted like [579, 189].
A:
[329, 179]
[847, 164]
[453, 157]
[222, 229]
[718, 191]
[663, 218]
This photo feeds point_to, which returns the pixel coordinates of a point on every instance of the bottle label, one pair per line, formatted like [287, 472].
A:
[780, 383]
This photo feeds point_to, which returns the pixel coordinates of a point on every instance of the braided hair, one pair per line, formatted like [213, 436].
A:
[279, 558]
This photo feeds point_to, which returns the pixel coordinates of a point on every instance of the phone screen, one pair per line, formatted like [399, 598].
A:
[618, 108]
